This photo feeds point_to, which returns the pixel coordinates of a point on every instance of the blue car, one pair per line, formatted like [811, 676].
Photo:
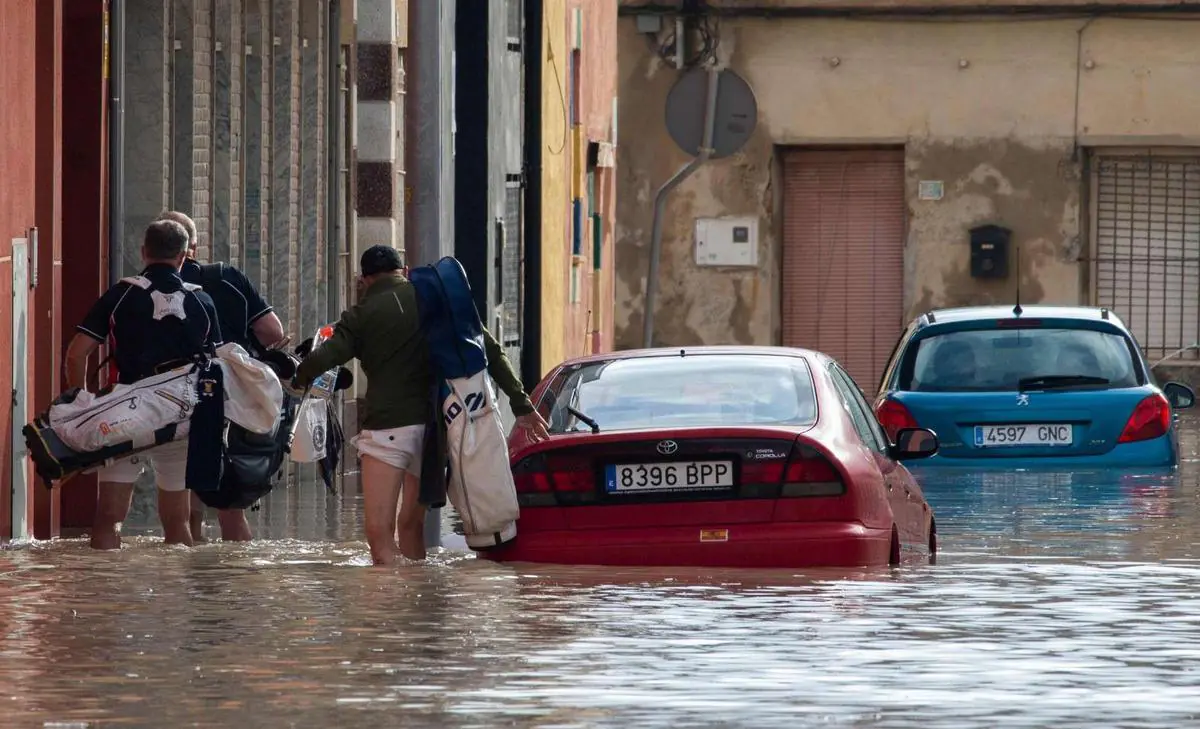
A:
[1039, 386]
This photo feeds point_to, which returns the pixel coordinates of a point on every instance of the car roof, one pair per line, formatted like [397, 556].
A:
[757, 351]
[1033, 311]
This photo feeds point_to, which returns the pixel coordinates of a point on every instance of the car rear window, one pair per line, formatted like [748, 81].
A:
[696, 390]
[998, 359]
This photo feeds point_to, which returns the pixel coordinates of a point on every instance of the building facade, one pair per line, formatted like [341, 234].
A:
[579, 115]
[889, 135]
[297, 133]
[116, 110]
[31, 155]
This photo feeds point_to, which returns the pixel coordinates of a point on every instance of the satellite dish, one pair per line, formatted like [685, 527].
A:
[736, 113]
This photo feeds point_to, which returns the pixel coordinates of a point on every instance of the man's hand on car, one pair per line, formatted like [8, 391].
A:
[535, 425]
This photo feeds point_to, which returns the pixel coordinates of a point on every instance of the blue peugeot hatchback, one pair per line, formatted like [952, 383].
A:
[1038, 386]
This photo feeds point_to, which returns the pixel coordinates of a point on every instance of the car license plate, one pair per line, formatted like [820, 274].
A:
[683, 476]
[1029, 434]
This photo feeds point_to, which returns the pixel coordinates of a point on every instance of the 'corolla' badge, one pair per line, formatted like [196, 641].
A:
[1022, 399]
[667, 447]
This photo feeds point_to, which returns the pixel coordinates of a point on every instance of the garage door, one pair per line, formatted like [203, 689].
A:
[843, 256]
[1147, 247]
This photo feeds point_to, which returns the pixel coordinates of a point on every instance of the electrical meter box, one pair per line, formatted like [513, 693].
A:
[726, 241]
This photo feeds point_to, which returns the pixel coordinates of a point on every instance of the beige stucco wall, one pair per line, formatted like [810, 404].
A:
[998, 130]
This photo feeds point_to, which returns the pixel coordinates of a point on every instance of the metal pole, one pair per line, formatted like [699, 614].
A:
[660, 204]
[116, 143]
[428, 218]
[333, 166]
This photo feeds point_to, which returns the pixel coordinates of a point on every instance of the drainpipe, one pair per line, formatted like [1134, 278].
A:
[660, 203]
[116, 142]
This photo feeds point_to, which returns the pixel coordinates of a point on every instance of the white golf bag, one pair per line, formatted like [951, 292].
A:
[481, 484]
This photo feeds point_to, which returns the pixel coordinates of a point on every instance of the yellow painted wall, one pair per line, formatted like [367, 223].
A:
[556, 184]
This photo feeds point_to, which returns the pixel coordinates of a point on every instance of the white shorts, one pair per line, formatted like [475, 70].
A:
[398, 447]
[169, 462]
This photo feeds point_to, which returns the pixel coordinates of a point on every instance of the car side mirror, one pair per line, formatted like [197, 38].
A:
[1180, 396]
[913, 443]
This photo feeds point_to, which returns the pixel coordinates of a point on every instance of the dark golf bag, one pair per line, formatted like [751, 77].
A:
[252, 461]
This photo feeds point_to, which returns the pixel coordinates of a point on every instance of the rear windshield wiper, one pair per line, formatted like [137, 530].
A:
[1047, 382]
[584, 419]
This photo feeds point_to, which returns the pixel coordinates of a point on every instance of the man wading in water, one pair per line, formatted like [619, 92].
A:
[383, 331]
[153, 323]
[247, 320]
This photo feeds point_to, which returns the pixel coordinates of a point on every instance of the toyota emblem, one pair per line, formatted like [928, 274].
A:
[667, 447]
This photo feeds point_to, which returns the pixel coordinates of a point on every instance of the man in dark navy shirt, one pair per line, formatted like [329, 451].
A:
[153, 322]
[247, 320]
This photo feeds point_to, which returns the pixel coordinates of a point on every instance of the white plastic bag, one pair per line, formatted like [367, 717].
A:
[312, 427]
[253, 392]
[481, 485]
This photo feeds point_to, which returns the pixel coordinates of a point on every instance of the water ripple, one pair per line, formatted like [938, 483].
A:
[1059, 599]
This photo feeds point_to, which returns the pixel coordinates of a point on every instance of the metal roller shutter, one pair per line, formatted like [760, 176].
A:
[843, 256]
[1147, 259]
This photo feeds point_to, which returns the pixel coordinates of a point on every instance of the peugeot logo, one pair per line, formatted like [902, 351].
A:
[1022, 399]
[667, 447]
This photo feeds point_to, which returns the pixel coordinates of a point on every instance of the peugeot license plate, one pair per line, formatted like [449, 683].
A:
[681, 476]
[1028, 434]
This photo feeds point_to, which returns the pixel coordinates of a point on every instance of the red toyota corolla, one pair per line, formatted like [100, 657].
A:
[718, 457]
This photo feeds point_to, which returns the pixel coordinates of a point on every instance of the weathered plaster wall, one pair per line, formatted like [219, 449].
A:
[986, 106]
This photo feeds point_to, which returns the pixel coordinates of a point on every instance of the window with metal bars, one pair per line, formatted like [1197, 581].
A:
[1146, 261]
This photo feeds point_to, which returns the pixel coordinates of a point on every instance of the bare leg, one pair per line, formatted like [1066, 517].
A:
[410, 530]
[175, 512]
[112, 506]
[381, 492]
[197, 520]
[234, 527]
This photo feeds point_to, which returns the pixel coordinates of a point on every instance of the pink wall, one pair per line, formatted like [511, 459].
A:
[18, 156]
[30, 196]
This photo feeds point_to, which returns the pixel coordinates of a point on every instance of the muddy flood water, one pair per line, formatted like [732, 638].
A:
[1058, 600]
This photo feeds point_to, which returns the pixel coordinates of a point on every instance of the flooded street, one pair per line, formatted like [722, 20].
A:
[1057, 600]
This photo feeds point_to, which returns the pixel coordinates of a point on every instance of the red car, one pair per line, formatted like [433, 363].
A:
[716, 457]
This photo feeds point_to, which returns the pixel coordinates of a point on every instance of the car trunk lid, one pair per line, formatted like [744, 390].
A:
[668, 478]
[1020, 424]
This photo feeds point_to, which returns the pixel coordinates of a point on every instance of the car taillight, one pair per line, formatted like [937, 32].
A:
[805, 473]
[893, 417]
[544, 479]
[1150, 419]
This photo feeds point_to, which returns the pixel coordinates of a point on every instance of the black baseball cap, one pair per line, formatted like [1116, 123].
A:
[379, 259]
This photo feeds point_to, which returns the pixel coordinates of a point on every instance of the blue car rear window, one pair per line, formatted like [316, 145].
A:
[693, 391]
[986, 360]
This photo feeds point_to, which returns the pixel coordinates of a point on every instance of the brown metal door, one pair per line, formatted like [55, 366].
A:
[843, 256]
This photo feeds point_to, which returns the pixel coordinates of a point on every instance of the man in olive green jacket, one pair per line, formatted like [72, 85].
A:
[383, 331]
